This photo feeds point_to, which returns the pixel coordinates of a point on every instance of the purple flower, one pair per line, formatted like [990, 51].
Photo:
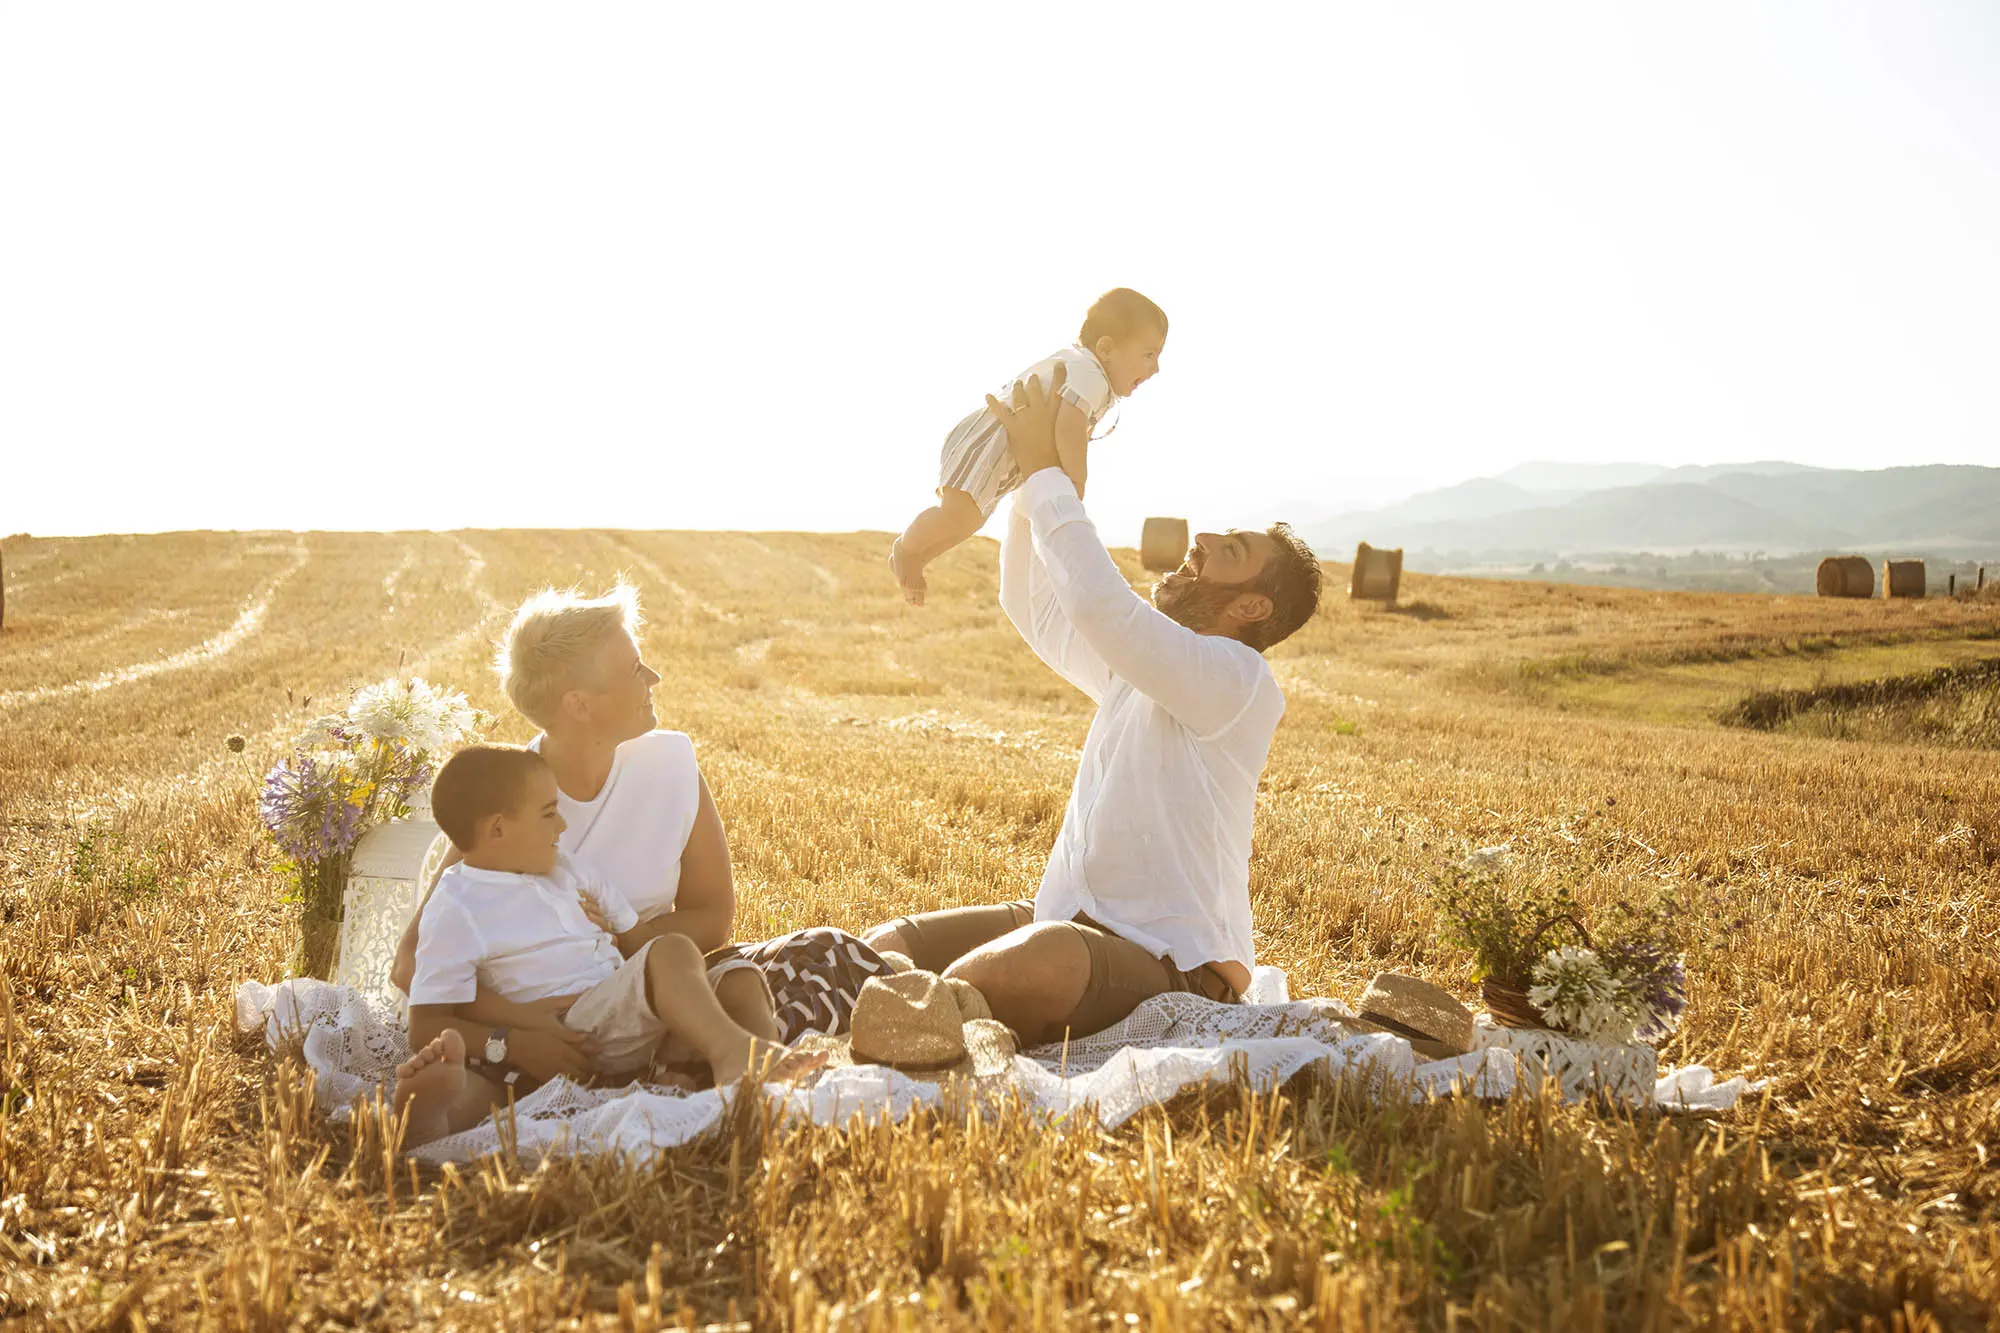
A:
[304, 804]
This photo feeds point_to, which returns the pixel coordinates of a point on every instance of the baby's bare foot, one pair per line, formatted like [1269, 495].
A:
[429, 1083]
[909, 574]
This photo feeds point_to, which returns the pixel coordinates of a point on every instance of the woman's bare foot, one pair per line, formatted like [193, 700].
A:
[772, 1064]
[909, 574]
[430, 1083]
[669, 1078]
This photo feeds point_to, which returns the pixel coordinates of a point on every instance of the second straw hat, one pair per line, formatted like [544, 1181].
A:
[1437, 1026]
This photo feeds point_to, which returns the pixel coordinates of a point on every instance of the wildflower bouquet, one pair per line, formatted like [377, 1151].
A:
[1540, 967]
[348, 772]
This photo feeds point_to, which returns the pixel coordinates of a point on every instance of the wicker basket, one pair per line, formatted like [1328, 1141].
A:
[1509, 1005]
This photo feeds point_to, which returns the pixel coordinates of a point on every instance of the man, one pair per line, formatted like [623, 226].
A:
[1148, 887]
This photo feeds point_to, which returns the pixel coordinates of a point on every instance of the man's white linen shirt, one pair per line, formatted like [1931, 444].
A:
[526, 936]
[1155, 842]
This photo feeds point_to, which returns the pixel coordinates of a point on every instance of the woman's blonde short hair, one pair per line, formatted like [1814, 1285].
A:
[553, 645]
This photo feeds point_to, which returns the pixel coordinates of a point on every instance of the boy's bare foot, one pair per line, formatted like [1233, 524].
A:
[430, 1083]
[909, 574]
[772, 1064]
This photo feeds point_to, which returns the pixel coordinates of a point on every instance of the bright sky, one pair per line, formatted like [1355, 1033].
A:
[395, 265]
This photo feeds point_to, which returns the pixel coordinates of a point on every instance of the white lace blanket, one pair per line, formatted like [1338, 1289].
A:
[1169, 1044]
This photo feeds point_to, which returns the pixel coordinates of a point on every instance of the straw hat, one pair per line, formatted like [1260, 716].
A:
[1437, 1026]
[924, 1025]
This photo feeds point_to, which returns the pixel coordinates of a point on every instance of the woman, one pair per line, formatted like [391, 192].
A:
[639, 811]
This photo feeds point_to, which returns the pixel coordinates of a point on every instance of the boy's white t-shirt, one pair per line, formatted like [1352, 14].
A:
[636, 828]
[526, 936]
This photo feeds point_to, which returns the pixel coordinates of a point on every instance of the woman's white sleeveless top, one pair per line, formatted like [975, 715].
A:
[637, 827]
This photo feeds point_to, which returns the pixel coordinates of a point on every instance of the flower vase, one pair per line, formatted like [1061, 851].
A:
[322, 885]
[383, 885]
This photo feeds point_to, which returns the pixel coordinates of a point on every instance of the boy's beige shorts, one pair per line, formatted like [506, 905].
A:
[617, 1013]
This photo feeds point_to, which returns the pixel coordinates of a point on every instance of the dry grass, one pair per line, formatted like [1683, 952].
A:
[156, 1168]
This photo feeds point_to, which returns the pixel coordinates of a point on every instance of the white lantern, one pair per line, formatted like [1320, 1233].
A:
[392, 864]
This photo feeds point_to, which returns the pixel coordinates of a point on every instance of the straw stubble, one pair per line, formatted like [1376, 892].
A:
[870, 760]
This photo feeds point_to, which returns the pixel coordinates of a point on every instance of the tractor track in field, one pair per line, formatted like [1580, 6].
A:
[280, 730]
[392, 582]
[828, 581]
[247, 624]
[106, 634]
[690, 601]
[490, 609]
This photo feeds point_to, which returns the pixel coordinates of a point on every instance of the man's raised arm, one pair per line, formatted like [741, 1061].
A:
[1204, 681]
[1028, 597]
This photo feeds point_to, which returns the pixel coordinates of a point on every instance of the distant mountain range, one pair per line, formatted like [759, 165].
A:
[1551, 510]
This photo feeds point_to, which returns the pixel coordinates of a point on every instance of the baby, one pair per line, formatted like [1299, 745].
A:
[1117, 350]
[512, 915]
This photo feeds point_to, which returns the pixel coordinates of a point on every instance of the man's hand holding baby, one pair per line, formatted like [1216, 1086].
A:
[1030, 422]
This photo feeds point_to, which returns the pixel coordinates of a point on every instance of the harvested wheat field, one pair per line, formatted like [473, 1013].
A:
[157, 1169]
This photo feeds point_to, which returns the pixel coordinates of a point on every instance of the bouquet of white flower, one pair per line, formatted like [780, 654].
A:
[347, 772]
[1628, 984]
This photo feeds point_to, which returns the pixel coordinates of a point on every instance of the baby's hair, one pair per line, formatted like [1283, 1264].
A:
[477, 783]
[1120, 313]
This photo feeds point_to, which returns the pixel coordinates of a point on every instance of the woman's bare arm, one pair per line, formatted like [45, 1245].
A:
[705, 904]
[538, 1053]
[491, 1009]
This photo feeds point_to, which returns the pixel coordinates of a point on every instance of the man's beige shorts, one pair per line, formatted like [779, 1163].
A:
[617, 1012]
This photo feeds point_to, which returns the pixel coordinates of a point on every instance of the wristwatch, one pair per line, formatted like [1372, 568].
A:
[495, 1058]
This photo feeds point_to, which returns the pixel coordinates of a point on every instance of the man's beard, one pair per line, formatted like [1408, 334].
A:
[1193, 603]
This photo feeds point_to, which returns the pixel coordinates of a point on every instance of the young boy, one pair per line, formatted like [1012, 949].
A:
[511, 914]
[1116, 351]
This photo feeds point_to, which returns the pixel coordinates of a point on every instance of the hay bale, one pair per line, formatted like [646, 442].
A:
[1903, 578]
[1846, 576]
[1163, 543]
[1377, 574]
